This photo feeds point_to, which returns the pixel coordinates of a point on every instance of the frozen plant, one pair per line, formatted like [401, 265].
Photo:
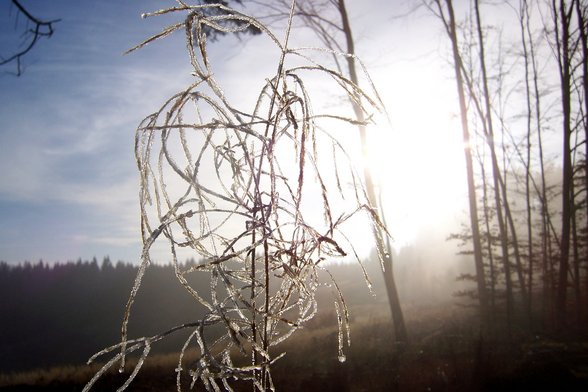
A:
[248, 194]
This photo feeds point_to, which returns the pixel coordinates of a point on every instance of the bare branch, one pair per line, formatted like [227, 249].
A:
[41, 28]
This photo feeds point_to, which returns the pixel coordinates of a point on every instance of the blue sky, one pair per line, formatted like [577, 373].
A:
[69, 184]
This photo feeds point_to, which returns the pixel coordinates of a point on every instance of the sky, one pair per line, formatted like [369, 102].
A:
[69, 181]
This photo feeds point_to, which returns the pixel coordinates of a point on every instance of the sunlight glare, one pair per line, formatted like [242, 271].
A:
[418, 161]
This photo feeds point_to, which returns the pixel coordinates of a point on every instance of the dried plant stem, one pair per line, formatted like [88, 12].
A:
[230, 186]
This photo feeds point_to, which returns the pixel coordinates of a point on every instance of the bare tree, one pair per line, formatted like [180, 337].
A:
[562, 13]
[329, 20]
[445, 12]
[582, 15]
[560, 249]
[523, 13]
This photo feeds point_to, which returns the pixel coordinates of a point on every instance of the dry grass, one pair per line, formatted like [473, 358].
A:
[445, 354]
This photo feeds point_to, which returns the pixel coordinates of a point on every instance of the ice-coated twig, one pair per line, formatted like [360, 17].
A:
[233, 187]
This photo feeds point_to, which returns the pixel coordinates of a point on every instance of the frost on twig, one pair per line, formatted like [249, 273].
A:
[242, 190]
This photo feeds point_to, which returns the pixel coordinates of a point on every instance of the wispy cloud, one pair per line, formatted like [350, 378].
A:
[69, 181]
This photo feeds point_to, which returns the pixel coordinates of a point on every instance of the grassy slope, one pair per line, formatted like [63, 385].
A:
[445, 354]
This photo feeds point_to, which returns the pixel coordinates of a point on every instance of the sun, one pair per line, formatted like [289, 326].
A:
[418, 160]
[415, 156]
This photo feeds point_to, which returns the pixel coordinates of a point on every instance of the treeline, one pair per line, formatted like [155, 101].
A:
[63, 313]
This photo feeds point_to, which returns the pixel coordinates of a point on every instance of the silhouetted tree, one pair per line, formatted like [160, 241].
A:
[516, 164]
[447, 15]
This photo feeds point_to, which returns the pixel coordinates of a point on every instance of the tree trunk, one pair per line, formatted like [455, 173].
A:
[563, 53]
[386, 254]
[489, 131]
[489, 244]
[450, 26]
[524, 20]
[542, 193]
[581, 11]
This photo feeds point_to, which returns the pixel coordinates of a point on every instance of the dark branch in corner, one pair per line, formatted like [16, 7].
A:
[41, 28]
